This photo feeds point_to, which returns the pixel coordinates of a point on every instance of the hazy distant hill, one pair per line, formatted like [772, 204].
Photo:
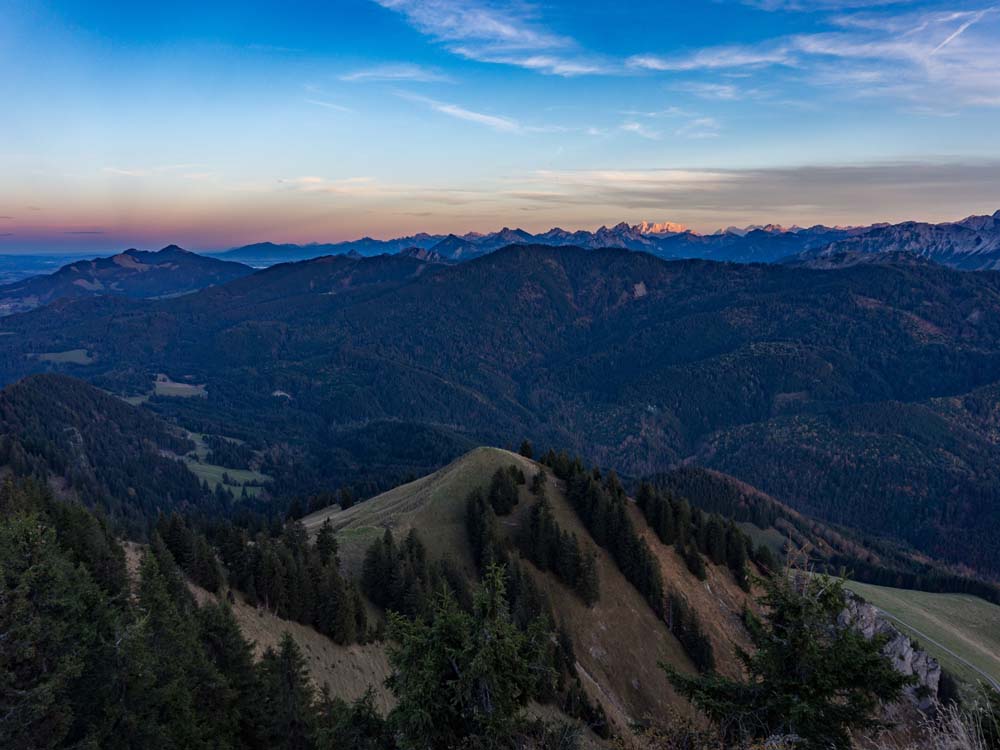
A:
[133, 273]
[269, 253]
[845, 392]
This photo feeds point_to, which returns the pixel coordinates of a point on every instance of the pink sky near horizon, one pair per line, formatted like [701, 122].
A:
[150, 212]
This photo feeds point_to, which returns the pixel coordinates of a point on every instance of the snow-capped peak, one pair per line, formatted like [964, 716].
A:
[659, 227]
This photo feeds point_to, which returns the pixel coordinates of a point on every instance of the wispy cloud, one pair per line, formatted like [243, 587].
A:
[695, 126]
[920, 56]
[506, 35]
[142, 172]
[349, 186]
[637, 128]
[657, 113]
[127, 172]
[818, 5]
[396, 72]
[700, 127]
[963, 27]
[726, 92]
[714, 58]
[329, 105]
[495, 122]
[805, 195]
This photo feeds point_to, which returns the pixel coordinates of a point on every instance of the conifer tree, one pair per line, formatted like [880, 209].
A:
[326, 543]
[503, 495]
[170, 692]
[715, 540]
[480, 524]
[806, 676]
[764, 558]
[286, 708]
[346, 498]
[527, 449]
[357, 726]
[44, 620]
[230, 654]
[462, 679]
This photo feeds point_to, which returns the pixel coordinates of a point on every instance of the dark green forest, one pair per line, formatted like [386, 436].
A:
[863, 395]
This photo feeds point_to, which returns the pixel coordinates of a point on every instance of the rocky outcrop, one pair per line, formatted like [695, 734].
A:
[899, 648]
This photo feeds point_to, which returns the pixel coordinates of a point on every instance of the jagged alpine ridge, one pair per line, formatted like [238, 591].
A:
[970, 244]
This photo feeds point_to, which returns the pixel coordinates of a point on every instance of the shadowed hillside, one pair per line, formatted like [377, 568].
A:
[805, 382]
[615, 671]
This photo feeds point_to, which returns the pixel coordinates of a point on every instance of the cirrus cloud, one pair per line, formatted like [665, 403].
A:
[487, 32]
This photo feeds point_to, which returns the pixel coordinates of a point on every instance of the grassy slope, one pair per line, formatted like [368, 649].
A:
[212, 473]
[618, 642]
[348, 670]
[435, 505]
[966, 625]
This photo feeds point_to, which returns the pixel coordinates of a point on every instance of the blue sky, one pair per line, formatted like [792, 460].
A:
[144, 124]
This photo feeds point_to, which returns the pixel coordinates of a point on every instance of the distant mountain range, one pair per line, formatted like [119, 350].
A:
[133, 273]
[666, 240]
[970, 244]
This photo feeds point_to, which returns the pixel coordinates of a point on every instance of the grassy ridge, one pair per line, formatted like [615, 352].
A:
[957, 629]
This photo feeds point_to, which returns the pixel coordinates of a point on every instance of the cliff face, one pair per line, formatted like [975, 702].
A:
[899, 648]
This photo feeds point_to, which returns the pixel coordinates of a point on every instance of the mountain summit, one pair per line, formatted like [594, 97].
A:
[134, 273]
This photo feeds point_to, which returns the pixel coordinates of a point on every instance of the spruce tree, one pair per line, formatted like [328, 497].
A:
[45, 623]
[170, 694]
[527, 449]
[357, 726]
[231, 655]
[346, 498]
[503, 495]
[462, 679]
[806, 676]
[287, 712]
[326, 543]
[715, 540]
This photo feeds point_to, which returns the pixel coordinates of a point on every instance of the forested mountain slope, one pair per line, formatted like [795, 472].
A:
[624, 679]
[608, 589]
[95, 447]
[633, 361]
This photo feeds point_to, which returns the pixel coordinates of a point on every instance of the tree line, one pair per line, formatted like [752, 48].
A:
[91, 659]
[545, 543]
[695, 534]
[601, 505]
[296, 579]
[89, 663]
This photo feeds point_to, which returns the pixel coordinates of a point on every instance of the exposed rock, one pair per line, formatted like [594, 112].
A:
[906, 658]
